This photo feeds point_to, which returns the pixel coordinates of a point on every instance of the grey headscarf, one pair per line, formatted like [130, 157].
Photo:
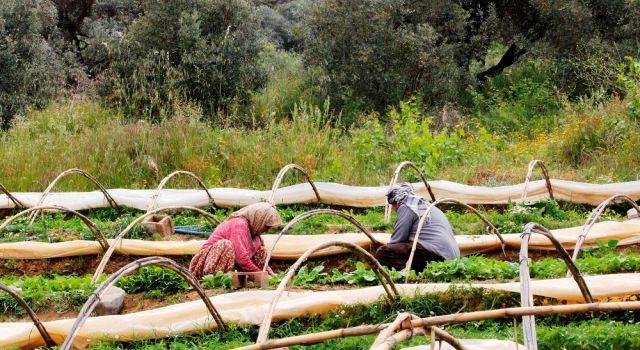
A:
[405, 194]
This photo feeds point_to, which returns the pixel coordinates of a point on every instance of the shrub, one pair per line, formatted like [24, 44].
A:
[409, 138]
[289, 84]
[629, 78]
[593, 136]
[522, 99]
[204, 51]
[29, 65]
[590, 70]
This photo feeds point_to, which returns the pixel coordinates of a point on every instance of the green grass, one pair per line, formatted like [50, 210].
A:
[595, 142]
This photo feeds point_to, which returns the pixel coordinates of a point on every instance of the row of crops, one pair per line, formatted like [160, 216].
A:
[335, 297]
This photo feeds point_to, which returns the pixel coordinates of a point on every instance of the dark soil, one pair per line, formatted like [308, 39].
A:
[79, 265]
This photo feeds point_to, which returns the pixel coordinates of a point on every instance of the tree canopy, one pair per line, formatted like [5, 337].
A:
[146, 55]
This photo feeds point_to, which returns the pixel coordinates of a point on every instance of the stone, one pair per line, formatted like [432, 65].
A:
[112, 302]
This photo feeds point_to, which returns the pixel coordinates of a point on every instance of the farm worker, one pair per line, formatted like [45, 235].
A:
[435, 242]
[236, 243]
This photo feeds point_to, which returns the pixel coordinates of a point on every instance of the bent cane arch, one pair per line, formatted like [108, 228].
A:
[381, 274]
[545, 173]
[15, 201]
[36, 321]
[166, 179]
[278, 180]
[394, 180]
[426, 214]
[401, 329]
[118, 239]
[85, 174]
[94, 299]
[593, 218]
[92, 226]
[315, 212]
[526, 296]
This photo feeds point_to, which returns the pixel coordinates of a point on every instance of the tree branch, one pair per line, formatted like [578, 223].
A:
[509, 58]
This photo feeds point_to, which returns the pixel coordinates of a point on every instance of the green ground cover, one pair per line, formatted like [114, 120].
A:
[63, 293]
[509, 219]
[50, 292]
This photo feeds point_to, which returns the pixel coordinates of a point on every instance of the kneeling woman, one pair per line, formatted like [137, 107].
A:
[435, 242]
[236, 243]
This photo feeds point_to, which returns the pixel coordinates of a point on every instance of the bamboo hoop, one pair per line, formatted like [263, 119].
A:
[526, 295]
[593, 218]
[515, 333]
[381, 275]
[36, 321]
[166, 179]
[315, 212]
[90, 224]
[427, 213]
[108, 197]
[94, 299]
[118, 239]
[394, 180]
[548, 310]
[433, 338]
[407, 334]
[278, 180]
[545, 173]
[399, 323]
[387, 339]
[15, 200]
[396, 338]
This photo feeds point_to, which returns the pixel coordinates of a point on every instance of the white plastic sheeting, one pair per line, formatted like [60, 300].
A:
[291, 247]
[249, 308]
[332, 193]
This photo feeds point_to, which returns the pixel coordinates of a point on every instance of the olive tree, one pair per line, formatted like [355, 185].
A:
[29, 64]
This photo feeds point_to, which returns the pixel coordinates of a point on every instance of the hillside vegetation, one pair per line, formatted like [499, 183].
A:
[470, 91]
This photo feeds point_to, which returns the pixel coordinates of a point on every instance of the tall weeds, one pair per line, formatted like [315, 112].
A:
[595, 143]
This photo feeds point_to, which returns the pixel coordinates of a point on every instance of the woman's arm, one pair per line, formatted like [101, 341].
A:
[241, 240]
[403, 225]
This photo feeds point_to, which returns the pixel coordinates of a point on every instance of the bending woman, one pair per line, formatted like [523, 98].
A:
[236, 243]
[436, 241]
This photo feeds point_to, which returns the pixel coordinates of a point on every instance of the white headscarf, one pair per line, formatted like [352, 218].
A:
[405, 194]
[261, 217]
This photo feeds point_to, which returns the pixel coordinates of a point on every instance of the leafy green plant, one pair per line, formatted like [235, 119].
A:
[468, 269]
[43, 293]
[522, 99]
[219, 280]
[305, 276]
[154, 280]
[605, 247]
[629, 78]
[408, 136]
[360, 276]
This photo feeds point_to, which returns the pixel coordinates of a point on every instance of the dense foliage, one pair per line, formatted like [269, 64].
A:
[247, 60]
[29, 62]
